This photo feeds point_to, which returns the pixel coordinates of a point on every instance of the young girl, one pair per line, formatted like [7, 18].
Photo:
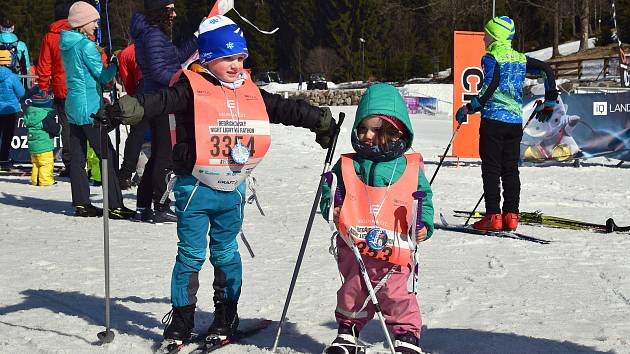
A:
[378, 181]
[221, 134]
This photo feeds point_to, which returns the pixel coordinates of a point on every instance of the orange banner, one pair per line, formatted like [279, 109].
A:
[467, 81]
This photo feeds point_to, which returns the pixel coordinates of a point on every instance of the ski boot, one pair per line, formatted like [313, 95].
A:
[347, 342]
[225, 322]
[87, 211]
[490, 222]
[144, 215]
[510, 221]
[407, 344]
[122, 213]
[164, 214]
[179, 322]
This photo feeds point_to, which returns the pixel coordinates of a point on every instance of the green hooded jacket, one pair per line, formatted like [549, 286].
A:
[39, 141]
[383, 99]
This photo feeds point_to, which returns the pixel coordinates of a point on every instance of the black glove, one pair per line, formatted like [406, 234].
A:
[50, 125]
[326, 128]
[108, 116]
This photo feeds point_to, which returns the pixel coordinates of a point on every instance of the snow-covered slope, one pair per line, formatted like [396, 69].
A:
[478, 294]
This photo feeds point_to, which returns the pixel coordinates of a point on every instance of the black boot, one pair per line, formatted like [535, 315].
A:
[87, 211]
[122, 213]
[346, 342]
[407, 344]
[164, 214]
[225, 321]
[144, 215]
[180, 322]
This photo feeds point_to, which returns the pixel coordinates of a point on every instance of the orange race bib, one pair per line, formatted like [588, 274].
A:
[232, 132]
[388, 238]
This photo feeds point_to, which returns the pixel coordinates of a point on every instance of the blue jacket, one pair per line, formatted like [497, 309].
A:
[84, 76]
[156, 55]
[22, 50]
[11, 90]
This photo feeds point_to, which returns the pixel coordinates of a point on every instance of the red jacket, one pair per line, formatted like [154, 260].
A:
[128, 69]
[49, 65]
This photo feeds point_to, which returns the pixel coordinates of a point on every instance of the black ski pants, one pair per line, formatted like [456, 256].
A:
[7, 128]
[133, 146]
[60, 106]
[79, 136]
[499, 148]
[153, 184]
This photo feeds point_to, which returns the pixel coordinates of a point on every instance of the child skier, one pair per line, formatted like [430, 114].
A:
[500, 102]
[378, 181]
[41, 122]
[221, 134]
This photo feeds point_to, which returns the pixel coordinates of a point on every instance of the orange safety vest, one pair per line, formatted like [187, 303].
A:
[356, 220]
[219, 121]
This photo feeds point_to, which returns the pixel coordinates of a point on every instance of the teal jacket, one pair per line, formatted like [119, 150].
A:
[84, 76]
[39, 140]
[22, 50]
[383, 99]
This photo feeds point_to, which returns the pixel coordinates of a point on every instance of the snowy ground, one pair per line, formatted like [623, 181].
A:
[478, 294]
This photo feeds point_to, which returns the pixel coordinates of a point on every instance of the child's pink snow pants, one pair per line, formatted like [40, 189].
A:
[398, 305]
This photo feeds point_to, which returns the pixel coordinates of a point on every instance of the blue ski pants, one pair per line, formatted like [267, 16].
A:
[202, 212]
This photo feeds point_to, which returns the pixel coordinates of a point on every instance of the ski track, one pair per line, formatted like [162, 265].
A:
[477, 294]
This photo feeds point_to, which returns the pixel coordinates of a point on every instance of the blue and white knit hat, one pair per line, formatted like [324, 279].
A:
[220, 37]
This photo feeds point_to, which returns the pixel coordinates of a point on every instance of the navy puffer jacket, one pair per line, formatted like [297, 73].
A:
[156, 55]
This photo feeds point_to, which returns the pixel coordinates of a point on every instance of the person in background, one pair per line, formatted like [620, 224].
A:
[50, 73]
[11, 42]
[11, 91]
[42, 125]
[85, 74]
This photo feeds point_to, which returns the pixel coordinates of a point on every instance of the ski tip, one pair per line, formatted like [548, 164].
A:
[610, 225]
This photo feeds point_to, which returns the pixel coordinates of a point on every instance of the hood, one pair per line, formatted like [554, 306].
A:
[499, 44]
[69, 39]
[8, 37]
[57, 26]
[138, 25]
[383, 99]
[4, 73]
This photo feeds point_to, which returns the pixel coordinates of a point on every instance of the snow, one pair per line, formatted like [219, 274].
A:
[478, 294]
[565, 49]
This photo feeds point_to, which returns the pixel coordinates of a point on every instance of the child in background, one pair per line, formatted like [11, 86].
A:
[42, 125]
[378, 181]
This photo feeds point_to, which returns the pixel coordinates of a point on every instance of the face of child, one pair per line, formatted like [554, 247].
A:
[368, 130]
[227, 69]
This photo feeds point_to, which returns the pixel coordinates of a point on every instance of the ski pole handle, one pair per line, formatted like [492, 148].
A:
[335, 133]
[339, 192]
[419, 195]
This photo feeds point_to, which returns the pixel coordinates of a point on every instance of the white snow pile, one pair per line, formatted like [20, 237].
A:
[478, 294]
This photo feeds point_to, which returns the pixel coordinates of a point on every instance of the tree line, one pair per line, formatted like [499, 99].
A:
[352, 40]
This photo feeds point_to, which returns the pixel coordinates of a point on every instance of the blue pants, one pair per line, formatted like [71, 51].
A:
[198, 209]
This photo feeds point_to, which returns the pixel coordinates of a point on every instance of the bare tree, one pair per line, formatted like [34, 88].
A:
[584, 25]
[321, 59]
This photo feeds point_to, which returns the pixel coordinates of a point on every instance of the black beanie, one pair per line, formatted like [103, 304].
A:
[156, 4]
[61, 10]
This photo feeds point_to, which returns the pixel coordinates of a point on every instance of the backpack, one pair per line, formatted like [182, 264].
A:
[12, 49]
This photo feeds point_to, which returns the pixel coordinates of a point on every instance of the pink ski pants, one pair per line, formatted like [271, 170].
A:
[399, 306]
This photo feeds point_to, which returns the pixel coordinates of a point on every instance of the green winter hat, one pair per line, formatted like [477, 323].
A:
[500, 28]
[386, 100]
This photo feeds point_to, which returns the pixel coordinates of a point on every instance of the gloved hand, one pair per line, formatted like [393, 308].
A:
[107, 117]
[126, 110]
[461, 114]
[324, 131]
[545, 111]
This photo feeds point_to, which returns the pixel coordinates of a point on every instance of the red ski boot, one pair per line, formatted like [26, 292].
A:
[510, 221]
[490, 222]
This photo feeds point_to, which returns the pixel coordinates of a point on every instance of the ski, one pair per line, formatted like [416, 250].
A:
[504, 234]
[201, 346]
[538, 218]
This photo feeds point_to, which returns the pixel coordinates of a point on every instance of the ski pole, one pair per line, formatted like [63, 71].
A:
[309, 225]
[445, 152]
[417, 196]
[370, 288]
[106, 336]
[531, 116]
[114, 88]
